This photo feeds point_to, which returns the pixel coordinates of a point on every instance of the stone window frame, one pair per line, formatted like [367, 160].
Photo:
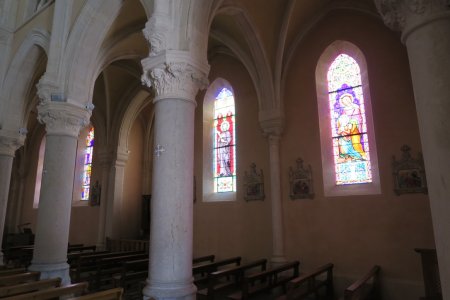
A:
[328, 167]
[208, 144]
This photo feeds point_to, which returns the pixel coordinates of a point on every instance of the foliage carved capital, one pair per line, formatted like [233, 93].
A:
[63, 118]
[403, 14]
[174, 75]
[9, 143]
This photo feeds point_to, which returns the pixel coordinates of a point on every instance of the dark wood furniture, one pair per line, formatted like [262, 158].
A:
[366, 288]
[431, 276]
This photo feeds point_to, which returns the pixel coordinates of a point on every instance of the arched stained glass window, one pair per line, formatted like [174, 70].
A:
[224, 142]
[87, 165]
[348, 122]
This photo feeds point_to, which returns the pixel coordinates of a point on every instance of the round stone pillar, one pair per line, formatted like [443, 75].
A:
[272, 129]
[425, 27]
[8, 146]
[171, 232]
[63, 123]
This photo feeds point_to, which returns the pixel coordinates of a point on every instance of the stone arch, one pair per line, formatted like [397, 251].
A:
[84, 45]
[19, 78]
[256, 62]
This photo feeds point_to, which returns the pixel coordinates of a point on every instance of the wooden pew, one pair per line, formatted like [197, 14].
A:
[19, 278]
[221, 280]
[368, 287]
[72, 258]
[82, 249]
[28, 287]
[110, 266]
[87, 264]
[77, 289]
[8, 272]
[267, 280]
[311, 284]
[203, 270]
[203, 259]
[126, 245]
[111, 294]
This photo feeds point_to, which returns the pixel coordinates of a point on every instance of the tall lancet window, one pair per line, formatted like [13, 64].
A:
[224, 150]
[350, 141]
[87, 165]
[347, 136]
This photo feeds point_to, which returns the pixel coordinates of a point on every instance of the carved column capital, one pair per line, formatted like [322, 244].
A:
[175, 75]
[9, 143]
[63, 118]
[272, 124]
[408, 15]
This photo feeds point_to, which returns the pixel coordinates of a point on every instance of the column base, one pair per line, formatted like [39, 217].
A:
[277, 261]
[169, 290]
[48, 271]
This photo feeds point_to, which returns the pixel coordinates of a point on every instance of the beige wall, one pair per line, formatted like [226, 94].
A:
[356, 232]
[132, 188]
[237, 227]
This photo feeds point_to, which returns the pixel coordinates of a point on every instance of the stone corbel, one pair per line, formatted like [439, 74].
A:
[272, 123]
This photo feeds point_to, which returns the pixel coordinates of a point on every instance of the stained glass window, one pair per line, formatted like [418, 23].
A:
[224, 142]
[87, 165]
[348, 122]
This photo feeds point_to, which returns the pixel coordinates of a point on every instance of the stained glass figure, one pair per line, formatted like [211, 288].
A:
[224, 142]
[87, 168]
[348, 122]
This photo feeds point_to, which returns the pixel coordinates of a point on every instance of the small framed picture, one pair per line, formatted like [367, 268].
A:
[409, 173]
[301, 186]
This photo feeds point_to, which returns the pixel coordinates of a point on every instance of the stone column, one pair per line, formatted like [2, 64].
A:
[272, 129]
[176, 80]
[8, 146]
[63, 122]
[425, 27]
[115, 196]
[105, 165]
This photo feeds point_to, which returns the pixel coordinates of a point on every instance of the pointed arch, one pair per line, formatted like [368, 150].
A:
[350, 166]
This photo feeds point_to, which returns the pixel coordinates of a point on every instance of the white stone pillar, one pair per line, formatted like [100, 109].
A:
[176, 81]
[63, 123]
[425, 27]
[115, 196]
[273, 127]
[8, 146]
[105, 165]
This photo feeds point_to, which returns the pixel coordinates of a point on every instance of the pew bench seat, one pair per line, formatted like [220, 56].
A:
[28, 287]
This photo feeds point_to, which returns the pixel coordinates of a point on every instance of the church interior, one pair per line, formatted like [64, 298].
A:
[112, 129]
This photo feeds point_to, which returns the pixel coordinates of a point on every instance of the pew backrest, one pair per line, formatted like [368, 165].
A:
[367, 287]
[204, 269]
[19, 278]
[311, 283]
[22, 288]
[77, 289]
[267, 280]
[226, 278]
[8, 272]
[111, 294]
[203, 259]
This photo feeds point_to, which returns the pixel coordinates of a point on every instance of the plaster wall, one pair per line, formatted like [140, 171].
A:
[356, 232]
[238, 227]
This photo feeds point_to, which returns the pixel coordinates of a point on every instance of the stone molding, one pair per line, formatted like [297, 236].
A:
[272, 125]
[155, 32]
[63, 118]
[406, 15]
[9, 144]
[175, 75]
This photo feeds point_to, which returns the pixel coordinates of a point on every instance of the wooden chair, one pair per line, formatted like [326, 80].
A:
[77, 289]
[28, 287]
[311, 283]
[19, 278]
[111, 294]
[366, 288]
